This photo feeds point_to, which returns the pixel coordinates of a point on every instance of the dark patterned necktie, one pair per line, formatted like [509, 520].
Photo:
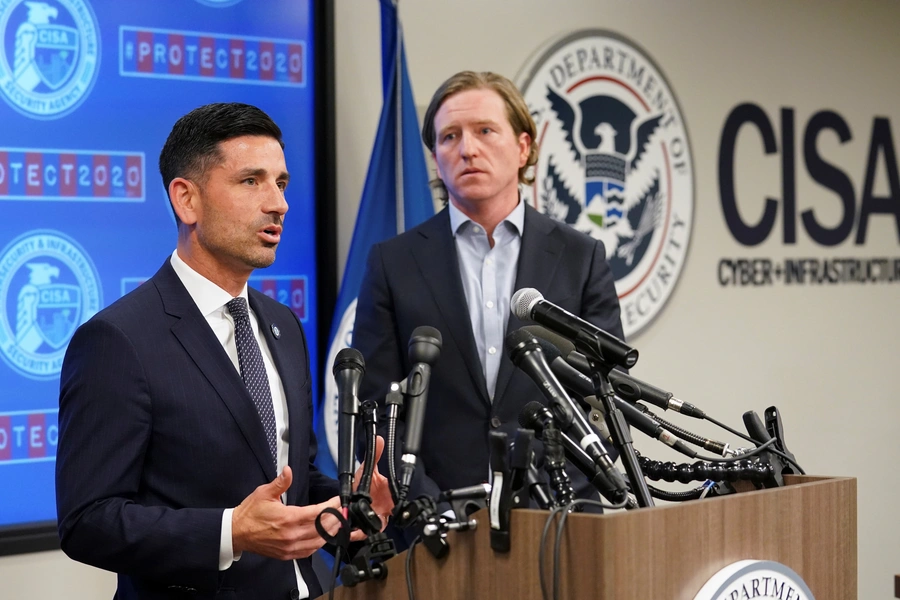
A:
[253, 371]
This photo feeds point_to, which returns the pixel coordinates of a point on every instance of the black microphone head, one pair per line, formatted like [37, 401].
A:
[348, 358]
[425, 345]
[523, 301]
[520, 342]
[530, 416]
[563, 345]
[550, 349]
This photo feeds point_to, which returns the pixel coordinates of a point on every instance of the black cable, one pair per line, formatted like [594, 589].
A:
[668, 496]
[754, 452]
[365, 480]
[752, 441]
[409, 555]
[334, 573]
[564, 509]
[730, 430]
[688, 436]
[553, 514]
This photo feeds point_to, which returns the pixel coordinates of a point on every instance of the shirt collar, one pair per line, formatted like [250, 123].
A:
[516, 218]
[206, 295]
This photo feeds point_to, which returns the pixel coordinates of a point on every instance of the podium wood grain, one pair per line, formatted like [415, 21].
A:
[665, 552]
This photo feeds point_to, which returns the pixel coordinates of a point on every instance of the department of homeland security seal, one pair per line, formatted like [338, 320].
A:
[755, 579]
[49, 56]
[48, 287]
[614, 161]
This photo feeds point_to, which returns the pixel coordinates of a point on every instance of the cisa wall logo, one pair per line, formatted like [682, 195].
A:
[614, 161]
[48, 287]
[49, 57]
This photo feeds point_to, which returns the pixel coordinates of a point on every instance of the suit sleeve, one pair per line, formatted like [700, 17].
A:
[105, 421]
[376, 334]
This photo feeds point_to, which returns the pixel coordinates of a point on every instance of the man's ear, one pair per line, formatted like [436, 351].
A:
[524, 148]
[184, 196]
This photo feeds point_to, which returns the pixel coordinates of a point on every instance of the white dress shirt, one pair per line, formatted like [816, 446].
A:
[488, 276]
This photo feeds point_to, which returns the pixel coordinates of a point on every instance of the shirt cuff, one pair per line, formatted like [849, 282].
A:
[226, 548]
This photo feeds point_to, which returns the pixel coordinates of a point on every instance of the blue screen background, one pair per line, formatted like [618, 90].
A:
[67, 249]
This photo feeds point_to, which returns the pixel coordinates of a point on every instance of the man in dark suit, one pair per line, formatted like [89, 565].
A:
[457, 272]
[185, 458]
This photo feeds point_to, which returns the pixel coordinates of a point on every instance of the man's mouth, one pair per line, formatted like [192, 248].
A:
[271, 234]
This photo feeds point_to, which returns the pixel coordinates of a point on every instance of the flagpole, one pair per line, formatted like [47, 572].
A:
[398, 133]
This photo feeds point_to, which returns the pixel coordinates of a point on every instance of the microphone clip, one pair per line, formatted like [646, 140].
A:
[368, 563]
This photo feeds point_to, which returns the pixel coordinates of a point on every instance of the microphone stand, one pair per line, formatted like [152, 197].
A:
[621, 435]
[368, 563]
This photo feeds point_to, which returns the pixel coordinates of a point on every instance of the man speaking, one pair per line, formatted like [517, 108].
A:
[186, 448]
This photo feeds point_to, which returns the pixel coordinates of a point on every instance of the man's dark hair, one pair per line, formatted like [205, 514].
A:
[192, 147]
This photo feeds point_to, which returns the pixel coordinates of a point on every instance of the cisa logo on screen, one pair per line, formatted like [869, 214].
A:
[49, 56]
[48, 287]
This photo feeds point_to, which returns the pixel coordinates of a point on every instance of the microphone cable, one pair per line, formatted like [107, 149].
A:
[719, 448]
[693, 494]
[564, 511]
[752, 441]
[411, 594]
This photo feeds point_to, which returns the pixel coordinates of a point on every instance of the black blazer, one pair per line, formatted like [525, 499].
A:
[413, 280]
[158, 435]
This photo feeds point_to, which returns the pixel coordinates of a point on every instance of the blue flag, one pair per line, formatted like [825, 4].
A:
[396, 197]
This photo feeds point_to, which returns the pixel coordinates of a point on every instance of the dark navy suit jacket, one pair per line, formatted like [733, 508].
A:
[413, 280]
[158, 435]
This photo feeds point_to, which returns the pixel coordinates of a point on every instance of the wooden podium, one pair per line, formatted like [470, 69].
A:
[665, 552]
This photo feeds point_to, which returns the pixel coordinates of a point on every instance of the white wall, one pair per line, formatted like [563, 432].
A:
[825, 356]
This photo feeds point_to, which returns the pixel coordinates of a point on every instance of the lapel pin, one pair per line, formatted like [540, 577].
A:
[275, 331]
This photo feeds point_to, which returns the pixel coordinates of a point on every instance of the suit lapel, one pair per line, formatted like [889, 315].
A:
[435, 253]
[199, 341]
[539, 256]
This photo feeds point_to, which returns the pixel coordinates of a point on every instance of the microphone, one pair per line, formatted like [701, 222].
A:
[424, 350]
[538, 417]
[580, 384]
[529, 304]
[525, 352]
[625, 386]
[349, 368]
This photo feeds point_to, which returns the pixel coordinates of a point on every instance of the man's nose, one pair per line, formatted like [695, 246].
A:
[468, 145]
[276, 201]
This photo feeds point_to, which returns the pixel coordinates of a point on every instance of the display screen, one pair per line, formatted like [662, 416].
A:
[90, 90]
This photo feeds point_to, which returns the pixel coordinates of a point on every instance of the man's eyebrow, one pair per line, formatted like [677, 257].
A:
[259, 172]
[456, 125]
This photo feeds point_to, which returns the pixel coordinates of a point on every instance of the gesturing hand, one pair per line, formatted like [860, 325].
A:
[264, 525]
